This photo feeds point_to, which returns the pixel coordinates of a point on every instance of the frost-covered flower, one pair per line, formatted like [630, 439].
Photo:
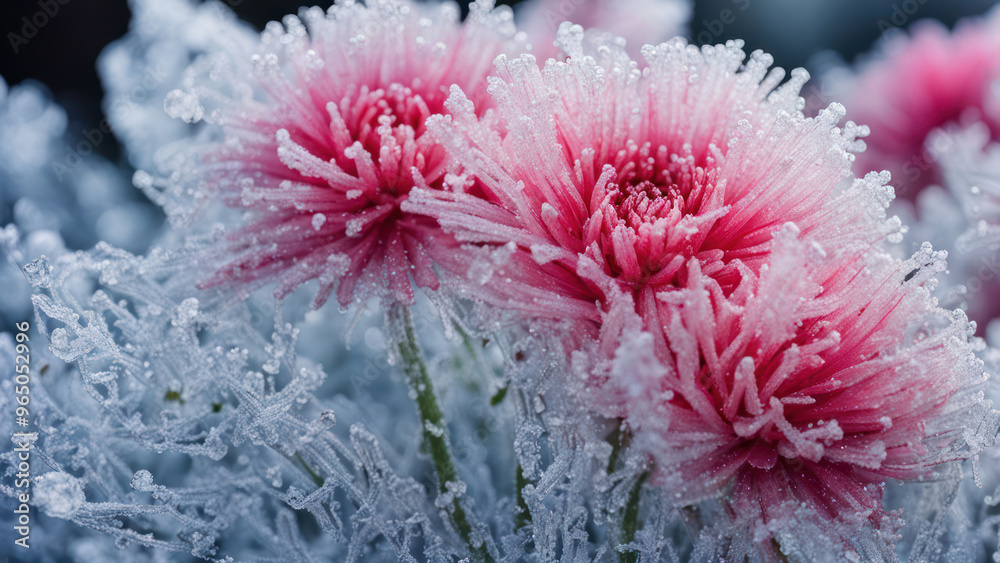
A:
[798, 395]
[614, 176]
[638, 22]
[932, 100]
[962, 216]
[324, 140]
[916, 84]
[769, 329]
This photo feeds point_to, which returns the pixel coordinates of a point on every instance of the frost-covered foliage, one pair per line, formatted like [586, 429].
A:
[593, 306]
[181, 419]
[56, 191]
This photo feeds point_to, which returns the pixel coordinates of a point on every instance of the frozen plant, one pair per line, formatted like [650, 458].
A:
[657, 194]
[614, 178]
[801, 392]
[667, 323]
[913, 84]
[55, 191]
[322, 141]
[177, 426]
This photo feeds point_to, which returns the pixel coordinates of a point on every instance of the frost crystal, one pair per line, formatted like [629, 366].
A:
[58, 494]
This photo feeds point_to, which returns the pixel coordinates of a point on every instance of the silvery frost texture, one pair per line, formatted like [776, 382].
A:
[596, 302]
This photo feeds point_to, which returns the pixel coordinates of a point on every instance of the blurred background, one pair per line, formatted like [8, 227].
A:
[63, 53]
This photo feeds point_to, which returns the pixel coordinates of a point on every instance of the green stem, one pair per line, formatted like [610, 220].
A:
[316, 478]
[616, 440]
[619, 440]
[435, 431]
[523, 516]
[630, 520]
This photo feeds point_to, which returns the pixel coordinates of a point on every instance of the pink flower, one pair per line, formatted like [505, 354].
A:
[323, 142]
[787, 373]
[614, 176]
[638, 22]
[800, 393]
[920, 83]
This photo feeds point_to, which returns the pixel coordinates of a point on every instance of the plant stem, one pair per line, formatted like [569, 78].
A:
[630, 520]
[435, 431]
[615, 439]
[316, 478]
[619, 441]
[523, 516]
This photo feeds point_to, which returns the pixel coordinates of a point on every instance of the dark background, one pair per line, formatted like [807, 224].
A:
[63, 53]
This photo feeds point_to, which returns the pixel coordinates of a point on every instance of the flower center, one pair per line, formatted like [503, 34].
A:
[654, 216]
[389, 111]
